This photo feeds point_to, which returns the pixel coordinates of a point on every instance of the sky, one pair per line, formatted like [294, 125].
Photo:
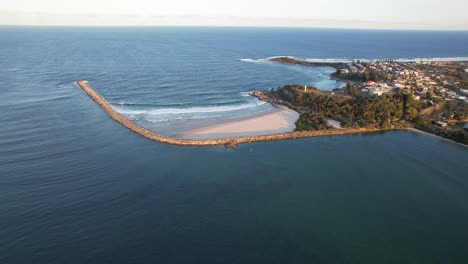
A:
[378, 14]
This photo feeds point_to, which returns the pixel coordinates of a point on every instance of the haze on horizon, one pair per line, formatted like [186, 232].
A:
[378, 14]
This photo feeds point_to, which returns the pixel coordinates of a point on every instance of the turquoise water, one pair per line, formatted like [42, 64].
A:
[76, 187]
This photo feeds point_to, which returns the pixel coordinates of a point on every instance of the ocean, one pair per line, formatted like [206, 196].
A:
[76, 187]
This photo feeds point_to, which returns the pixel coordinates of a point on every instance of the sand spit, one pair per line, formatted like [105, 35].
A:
[281, 121]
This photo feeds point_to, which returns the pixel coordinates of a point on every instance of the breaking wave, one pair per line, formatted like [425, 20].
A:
[265, 59]
[433, 59]
[190, 110]
[246, 94]
[349, 60]
[250, 60]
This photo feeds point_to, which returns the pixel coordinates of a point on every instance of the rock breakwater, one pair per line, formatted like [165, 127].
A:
[228, 142]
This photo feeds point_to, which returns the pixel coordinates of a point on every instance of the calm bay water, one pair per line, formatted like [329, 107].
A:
[76, 187]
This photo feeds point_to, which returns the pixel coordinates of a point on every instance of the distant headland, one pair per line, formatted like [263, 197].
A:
[291, 60]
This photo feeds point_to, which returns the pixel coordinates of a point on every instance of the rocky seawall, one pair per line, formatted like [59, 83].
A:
[228, 142]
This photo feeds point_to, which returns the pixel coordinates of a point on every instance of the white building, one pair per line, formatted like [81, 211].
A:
[378, 91]
[441, 124]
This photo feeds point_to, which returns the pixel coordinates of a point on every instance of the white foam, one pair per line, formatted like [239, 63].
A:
[246, 94]
[348, 60]
[451, 59]
[266, 59]
[248, 60]
[158, 119]
[185, 111]
[253, 60]
[277, 57]
[332, 60]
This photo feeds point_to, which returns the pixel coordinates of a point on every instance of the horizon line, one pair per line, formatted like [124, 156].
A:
[228, 26]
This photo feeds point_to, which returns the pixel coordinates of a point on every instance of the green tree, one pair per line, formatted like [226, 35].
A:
[366, 76]
[374, 76]
[349, 85]
[419, 122]
[450, 108]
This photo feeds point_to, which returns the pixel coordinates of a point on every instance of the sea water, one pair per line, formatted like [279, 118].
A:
[77, 187]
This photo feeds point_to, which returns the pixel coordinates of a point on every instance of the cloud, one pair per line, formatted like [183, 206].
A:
[11, 17]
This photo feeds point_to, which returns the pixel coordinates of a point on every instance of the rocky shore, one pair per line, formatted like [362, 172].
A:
[228, 142]
[293, 61]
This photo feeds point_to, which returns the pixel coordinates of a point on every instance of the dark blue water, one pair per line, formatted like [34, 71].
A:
[76, 187]
[166, 78]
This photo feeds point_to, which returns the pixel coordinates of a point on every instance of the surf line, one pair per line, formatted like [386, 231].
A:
[227, 142]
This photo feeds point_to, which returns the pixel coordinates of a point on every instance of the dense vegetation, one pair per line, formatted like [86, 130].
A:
[387, 111]
[311, 121]
[368, 75]
[459, 134]
[380, 112]
[450, 110]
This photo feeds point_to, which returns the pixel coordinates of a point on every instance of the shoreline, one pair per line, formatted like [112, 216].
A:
[227, 142]
[295, 61]
[435, 136]
[282, 120]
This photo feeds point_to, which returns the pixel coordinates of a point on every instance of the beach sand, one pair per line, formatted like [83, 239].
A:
[283, 120]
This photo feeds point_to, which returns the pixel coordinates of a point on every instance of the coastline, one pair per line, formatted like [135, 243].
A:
[459, 138]
[295, 61]
[281, 121]
[227, 142]
[436, 136]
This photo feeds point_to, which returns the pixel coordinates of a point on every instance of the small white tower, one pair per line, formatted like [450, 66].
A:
[305, 88]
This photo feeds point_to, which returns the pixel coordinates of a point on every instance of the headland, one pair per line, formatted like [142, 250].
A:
[294, 61]
[431, 96]
[227, 142]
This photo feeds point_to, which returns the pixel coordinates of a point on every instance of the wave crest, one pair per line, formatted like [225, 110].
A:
[348, 60]
[190, 110]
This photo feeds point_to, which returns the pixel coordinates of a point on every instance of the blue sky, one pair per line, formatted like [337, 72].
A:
[396, 14]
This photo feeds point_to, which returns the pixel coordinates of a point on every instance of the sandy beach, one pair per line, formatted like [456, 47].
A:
[281, 121]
